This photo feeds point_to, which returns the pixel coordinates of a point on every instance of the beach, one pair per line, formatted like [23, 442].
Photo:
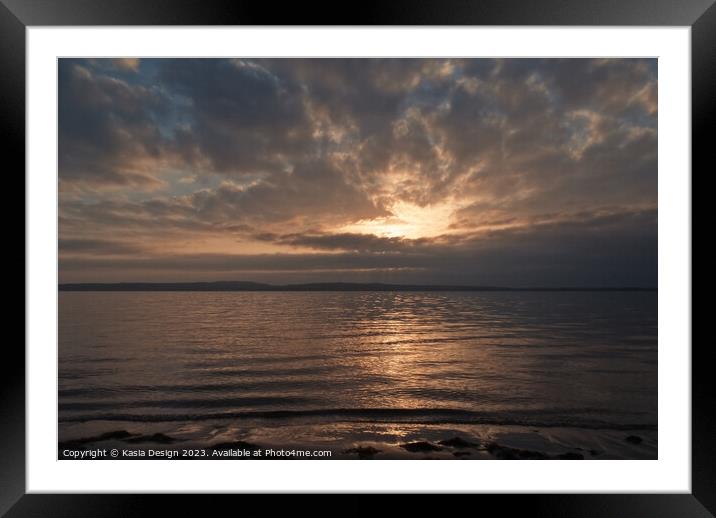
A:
[374, 441]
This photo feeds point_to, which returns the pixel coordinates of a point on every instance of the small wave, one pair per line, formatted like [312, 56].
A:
[189, 403]
[93, 392]
[538, 419]
[210, 357]
[256, 373]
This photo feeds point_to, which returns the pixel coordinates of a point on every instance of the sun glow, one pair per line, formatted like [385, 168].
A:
[408, 221]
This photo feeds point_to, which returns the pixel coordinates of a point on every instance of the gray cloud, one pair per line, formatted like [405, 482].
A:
[309, 190]
[108, 132]
[97, 246]
[344, 241]
[242, 118]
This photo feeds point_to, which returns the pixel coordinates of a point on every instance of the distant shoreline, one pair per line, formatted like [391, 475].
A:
[329, 286]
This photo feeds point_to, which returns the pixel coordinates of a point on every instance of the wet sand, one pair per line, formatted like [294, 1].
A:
[372, 441]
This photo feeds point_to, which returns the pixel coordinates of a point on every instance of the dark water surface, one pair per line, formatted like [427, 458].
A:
[352, 360]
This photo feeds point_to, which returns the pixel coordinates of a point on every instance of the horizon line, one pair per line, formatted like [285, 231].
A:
[320, 286]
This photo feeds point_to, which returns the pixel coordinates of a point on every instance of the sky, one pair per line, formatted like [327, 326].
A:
[500, 172]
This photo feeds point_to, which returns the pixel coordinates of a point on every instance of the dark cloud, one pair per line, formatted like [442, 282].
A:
[97, 246]
[310, 190]
[344, 241]
[108, 131]
[242, 118]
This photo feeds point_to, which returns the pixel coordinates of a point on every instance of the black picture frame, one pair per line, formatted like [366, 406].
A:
[17, 15]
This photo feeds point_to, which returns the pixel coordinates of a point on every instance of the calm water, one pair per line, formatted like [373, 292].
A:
[585, 360]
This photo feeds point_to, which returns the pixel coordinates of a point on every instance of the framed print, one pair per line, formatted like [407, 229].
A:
[387, 253]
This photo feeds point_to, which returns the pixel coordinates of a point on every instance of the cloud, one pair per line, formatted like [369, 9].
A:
[243, 119]
[107, 129]
[596, 250]
[286, 154]
[97, 247]
[310, 191]
[343, 241]
[126, 64]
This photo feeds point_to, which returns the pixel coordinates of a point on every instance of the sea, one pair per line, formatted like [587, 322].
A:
[362, 374]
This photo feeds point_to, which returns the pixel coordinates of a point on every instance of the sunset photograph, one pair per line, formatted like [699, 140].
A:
[357, 258]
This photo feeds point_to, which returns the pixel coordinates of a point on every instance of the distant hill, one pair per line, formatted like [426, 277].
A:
[318, 286]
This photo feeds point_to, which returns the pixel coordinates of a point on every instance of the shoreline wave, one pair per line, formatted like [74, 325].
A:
[380, 415]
